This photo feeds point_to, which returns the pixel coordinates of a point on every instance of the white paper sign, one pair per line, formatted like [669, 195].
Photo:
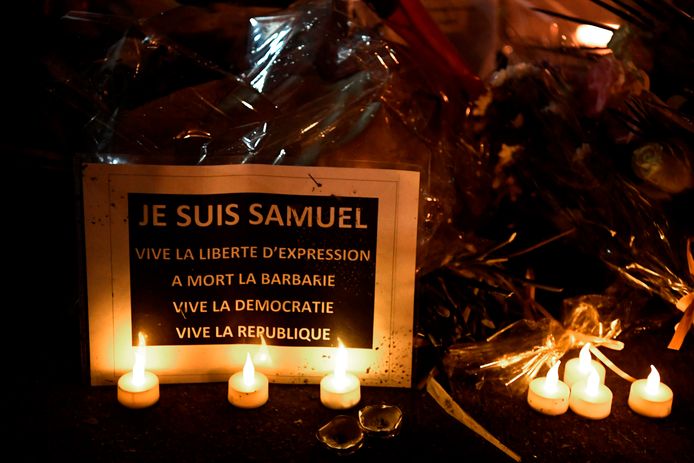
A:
[210, 261]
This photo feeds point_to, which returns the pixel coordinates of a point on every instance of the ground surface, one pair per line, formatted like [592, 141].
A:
[194, 422]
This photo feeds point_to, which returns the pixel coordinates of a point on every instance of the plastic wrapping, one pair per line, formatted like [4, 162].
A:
[562, 162]
[318, 84]
[513, 356]
[330, 83]
[280, 103]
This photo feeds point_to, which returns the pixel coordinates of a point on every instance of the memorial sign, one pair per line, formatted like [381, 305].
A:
[212, 261]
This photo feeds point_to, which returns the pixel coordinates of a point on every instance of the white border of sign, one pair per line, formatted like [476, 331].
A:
[106, 188]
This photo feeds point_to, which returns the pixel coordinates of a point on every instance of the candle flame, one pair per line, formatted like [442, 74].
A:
[248, 371]
[552, 380]
[593, 382]
[584, 358]
[593, 36]
[653, 381]
[139, 364]
[340, 363]
[262, 357]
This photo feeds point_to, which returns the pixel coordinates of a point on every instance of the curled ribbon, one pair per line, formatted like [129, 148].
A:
[611, 365]
[686, 305]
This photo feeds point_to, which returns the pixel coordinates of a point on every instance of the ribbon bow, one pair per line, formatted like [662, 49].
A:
[686, 305]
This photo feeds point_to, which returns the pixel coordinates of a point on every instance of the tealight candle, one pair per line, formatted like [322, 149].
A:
[577, 369]
[248, 388]
[590, 399]
[340, 390]
[138, 388]
[548, 395]
[649, 397]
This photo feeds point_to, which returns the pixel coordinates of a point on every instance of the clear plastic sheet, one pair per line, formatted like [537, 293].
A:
[561, 163]
[317, 85]
[514, 355]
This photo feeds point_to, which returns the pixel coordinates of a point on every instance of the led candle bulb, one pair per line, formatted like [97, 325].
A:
[340, 389]
[649, 397]
[588, 35]
[548, 395]
[138, 388]
[262, 357]
[577, 369]
[590, 399]
[248, 388]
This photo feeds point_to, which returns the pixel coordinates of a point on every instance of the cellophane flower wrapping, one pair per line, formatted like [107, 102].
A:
[579, 141]
[515, 355]
[317, 83]
[570, 175]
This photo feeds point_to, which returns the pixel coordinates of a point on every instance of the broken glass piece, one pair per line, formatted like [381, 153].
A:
[342, 434]
[380, 420]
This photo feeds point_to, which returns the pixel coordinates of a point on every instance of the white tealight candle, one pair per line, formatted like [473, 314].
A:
[549, 395]
[649, 397]
[138, 388]
[577, 369]
[590, 399]
[340, 390]
[248, 388]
